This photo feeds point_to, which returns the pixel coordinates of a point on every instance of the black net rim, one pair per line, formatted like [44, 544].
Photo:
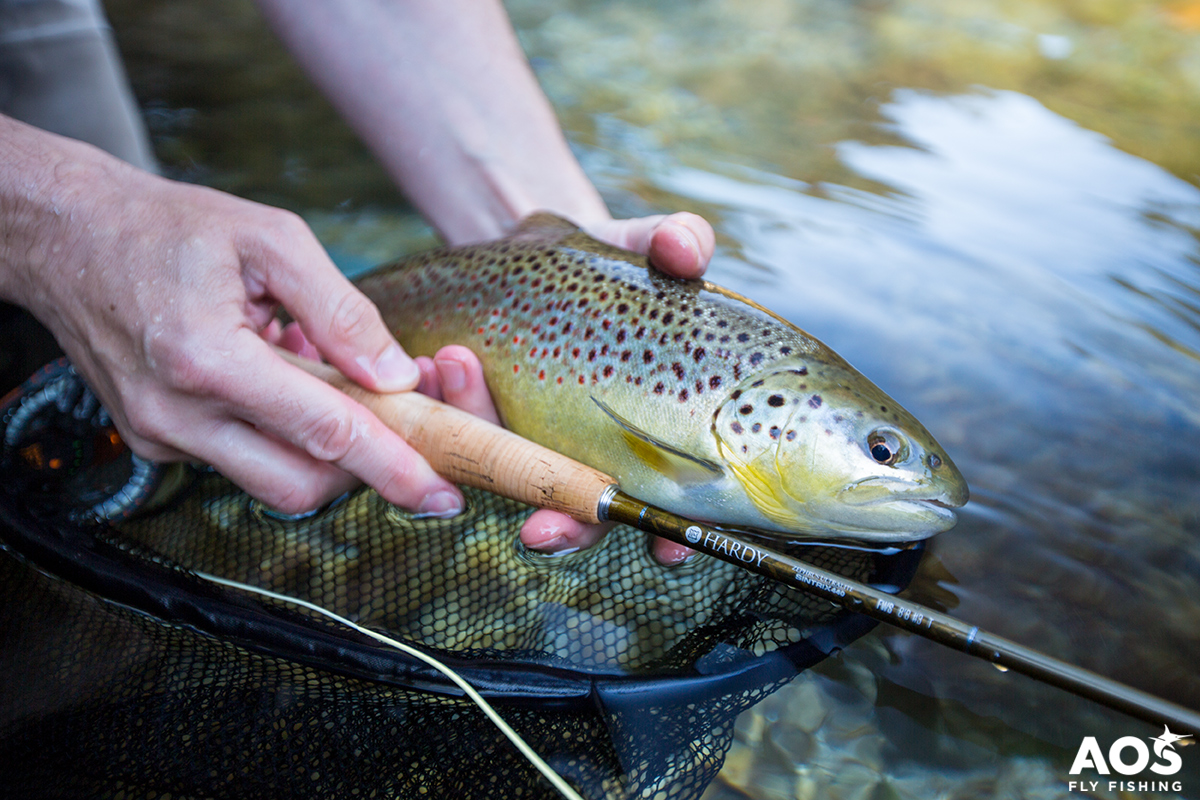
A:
[81, 552]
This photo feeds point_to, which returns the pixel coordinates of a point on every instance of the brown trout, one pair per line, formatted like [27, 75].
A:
[694, 398]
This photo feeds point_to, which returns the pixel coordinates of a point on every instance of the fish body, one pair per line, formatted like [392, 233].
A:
[694, 398]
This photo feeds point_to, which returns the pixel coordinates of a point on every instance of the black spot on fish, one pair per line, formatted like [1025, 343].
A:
[746, 409]
[608, 371]
[668, 318]
[678, 369]
[714, 382]
[815, 401]
[757, 384]
[756, 427]
[623, 308]
[756, 359]
[683, 395]
[699, 354]
[801, 371]
[743, 337]
[774, 432]
[785, 350]
[708, 337]
[791, 436]
[736, 427]
[736, 394]
[659, 388]
[775, 400]
[626, 355]
[654, 313]
[722, 323]
[647, 356]
[620, 335]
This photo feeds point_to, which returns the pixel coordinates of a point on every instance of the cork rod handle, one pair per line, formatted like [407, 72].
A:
[471, 451]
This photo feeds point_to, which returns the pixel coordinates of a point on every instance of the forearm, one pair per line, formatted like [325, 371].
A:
[48, 186]
[442, 94]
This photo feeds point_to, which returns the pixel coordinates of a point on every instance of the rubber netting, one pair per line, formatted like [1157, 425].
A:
[127, 675]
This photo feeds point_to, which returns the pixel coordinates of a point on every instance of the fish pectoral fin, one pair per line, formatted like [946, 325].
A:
[663, 458]
[766, 494]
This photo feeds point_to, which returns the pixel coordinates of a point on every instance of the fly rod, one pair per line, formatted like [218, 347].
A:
[471, 451]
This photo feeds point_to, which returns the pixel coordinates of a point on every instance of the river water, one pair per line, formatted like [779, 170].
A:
[990, 208]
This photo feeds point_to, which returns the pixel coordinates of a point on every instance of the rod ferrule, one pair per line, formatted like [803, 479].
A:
[606, 498]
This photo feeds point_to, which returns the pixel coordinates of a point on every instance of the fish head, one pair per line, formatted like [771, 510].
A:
[830, 454]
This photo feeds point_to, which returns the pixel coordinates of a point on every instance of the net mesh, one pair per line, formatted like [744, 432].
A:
[127, 675]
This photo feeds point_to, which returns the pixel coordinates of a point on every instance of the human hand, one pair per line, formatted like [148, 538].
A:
[680, 244]
[158, 292]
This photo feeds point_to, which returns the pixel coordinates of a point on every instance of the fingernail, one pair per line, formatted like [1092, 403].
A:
[550, 545]
[452, 374]
[689, 239]
[671, 554]
[440, 505]
[395, 371]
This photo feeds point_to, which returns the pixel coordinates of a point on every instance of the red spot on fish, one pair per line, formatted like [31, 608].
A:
[516, 368]
[560, 380]
[504, 328]
[541, 375]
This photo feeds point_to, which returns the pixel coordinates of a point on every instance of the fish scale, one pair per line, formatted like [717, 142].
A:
[655, 380]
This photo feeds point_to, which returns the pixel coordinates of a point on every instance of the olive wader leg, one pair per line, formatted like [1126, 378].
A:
[60, 71]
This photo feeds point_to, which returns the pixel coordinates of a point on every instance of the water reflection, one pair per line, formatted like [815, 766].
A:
[1029, 292]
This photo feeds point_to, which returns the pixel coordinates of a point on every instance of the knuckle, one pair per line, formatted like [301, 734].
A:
[148, 424]
[189, 368]
[353, 316]
[399, 484]
[330, 436]
[293, 498]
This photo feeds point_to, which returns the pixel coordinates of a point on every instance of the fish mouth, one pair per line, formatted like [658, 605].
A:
[886, 508]
[878, 491]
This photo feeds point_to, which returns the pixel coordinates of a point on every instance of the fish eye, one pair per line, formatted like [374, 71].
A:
[885, 447]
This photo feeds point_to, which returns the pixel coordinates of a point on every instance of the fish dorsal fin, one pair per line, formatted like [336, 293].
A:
[681, 467]
[741, 298]
[545, 222]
